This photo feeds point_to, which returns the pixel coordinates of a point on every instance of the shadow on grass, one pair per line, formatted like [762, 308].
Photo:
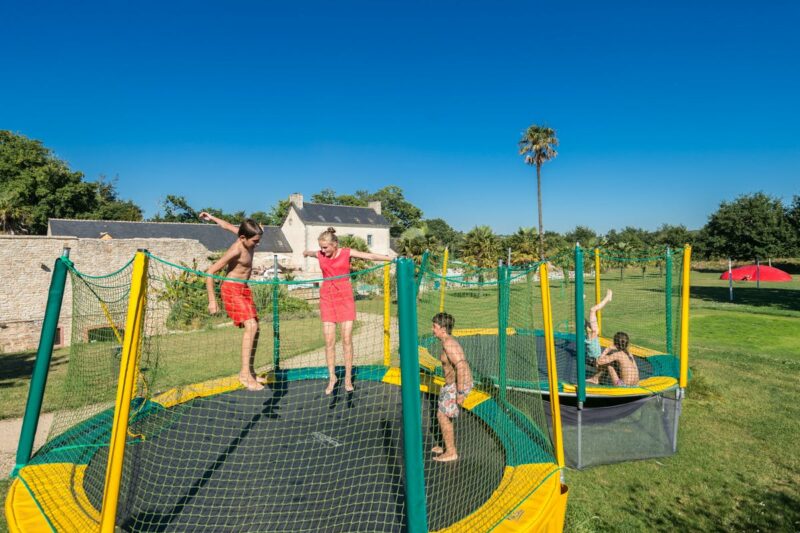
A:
[786, 299]
[16, 366]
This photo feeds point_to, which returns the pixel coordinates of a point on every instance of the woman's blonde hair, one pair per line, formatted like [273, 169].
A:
[329, 235]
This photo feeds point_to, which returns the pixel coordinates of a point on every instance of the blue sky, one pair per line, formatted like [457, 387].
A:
[663, 109]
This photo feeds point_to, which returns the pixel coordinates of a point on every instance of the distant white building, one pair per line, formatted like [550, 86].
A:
[305, 221]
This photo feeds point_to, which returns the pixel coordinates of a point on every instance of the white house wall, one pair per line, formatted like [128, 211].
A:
[303, 236]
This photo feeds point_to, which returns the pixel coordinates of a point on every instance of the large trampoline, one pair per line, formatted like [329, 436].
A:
[219, 458]
[182, 446]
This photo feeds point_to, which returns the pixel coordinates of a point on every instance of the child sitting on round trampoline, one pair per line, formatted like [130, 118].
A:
[236, 295]
[617, 354]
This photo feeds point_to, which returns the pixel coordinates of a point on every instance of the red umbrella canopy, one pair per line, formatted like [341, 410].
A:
[764, 273]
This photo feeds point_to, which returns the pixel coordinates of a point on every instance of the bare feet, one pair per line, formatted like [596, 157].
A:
[609, 294]
[330, 387]
[446, 457]
[595, 380]
[348, 386]
[250, 383]
[261, 379]
[437, 449]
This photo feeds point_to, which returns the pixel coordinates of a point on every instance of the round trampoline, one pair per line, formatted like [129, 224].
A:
[525, 348]
[214, 457]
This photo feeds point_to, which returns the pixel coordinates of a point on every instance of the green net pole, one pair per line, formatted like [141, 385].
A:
[417, 519]
[580, 332]
[502, 324]
[423, 264]
[44, 354]
[668, 300]
[276, 323]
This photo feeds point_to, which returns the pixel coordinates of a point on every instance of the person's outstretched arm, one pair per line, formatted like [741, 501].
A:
[309, 253]
[219, 222]
[369, 256]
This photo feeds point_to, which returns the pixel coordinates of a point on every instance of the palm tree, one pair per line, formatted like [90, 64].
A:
[538, 145]
[481, 247]
[523, 246]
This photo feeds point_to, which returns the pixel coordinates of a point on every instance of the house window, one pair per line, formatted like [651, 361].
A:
[59, 340]
[369, 240]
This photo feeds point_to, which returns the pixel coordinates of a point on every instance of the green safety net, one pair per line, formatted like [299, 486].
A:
[645, 305]
[204, 453]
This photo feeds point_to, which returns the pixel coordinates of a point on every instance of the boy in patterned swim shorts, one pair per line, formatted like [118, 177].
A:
[236, 295]
[458, 384]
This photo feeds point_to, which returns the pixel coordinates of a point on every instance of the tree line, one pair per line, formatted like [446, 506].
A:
[36, 185]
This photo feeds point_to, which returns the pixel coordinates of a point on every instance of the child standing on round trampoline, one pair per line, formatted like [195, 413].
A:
[336, 302]
[236, 295]
[458, 384]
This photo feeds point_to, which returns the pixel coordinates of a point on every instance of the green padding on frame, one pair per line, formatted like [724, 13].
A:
[520, 439]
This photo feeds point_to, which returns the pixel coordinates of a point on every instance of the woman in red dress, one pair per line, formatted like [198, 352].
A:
[336, 302]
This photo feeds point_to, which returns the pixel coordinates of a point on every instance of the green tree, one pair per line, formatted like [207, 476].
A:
[673, 236]
[538, 146]
[35, 185]
[481, 247]
[444, 233]
[587, 237]
[355, 243]
[110, 206]
[415, 241]
[278, 213]
[325, 196]
[176, 209]
[555, 243]
[400, 213]
[523, 246]
[754, 225]
[793, 217]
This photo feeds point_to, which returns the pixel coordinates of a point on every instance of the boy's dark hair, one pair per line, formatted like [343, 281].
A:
[250, 228]
[445, 320]
[621, 341]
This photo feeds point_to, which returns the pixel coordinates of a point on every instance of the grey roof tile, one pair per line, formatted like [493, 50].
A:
[211, 236]
[341, 214]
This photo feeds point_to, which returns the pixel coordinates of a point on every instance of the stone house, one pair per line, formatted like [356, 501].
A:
[305, 221]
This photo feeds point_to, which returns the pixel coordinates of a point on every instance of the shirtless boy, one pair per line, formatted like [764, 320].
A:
[236, 296]
[458, 384]
[618, 353]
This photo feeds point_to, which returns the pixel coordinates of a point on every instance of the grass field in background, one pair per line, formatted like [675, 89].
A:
[737, 468]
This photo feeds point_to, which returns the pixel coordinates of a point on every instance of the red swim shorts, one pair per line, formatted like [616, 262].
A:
[238, 302]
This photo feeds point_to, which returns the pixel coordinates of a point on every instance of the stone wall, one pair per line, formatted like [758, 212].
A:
[26, 265]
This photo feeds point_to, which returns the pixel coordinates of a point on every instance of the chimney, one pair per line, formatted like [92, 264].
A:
[296, 199]
[376, 206]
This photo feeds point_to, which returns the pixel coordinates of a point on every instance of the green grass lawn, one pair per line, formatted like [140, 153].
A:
[737, 466]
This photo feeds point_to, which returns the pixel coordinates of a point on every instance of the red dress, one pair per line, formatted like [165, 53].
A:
[336, 303]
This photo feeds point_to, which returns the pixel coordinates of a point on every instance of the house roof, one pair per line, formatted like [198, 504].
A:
[340, 214]
[211, 236]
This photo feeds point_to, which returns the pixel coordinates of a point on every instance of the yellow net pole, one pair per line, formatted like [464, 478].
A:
[129, 362]
[444, 281]
[387, 300]
[685, 284]
[597, 290]
[552, 371]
